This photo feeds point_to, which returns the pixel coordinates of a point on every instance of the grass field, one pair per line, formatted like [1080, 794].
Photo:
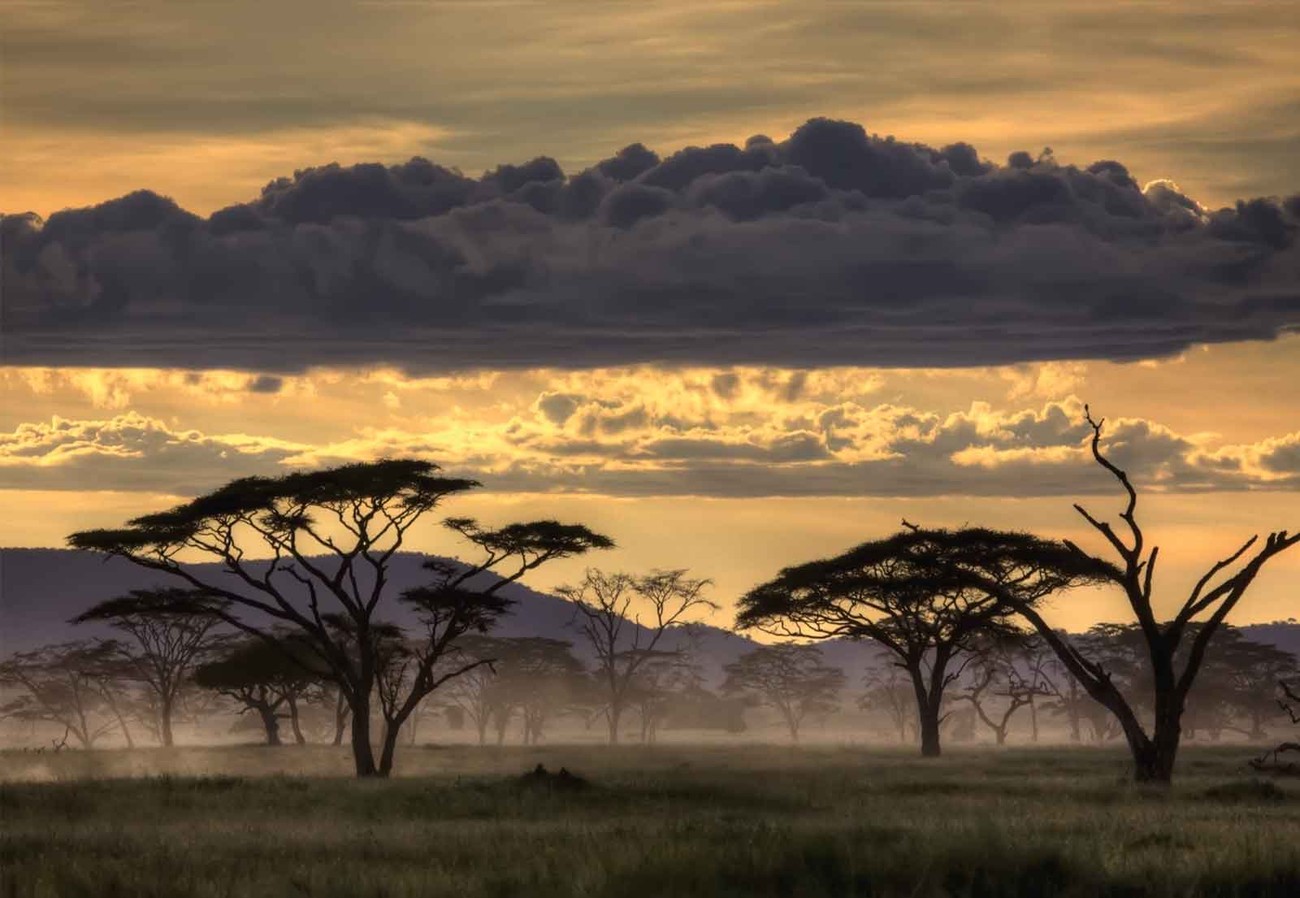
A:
[663, 821]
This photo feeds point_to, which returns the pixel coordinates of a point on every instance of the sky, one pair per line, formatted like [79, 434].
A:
[739, 284]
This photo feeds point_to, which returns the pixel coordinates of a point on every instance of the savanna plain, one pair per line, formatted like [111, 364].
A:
[661, 820]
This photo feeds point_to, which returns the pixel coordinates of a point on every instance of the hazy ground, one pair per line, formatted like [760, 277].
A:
[666, 820]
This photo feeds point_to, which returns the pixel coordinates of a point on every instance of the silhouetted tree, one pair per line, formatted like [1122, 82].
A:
[1229, 694]
[889, 689]
[1172, 673]
[609, 608]
[911, 593]
[1271, 761]
[476, 692]
[330, 535]
[540, 677]
[170, 630]
[264, 678]
[792, 679]
[997, 687]
[65, 685]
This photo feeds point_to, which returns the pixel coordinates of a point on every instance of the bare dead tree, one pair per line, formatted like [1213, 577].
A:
[1211, 599]
[624, 618]
[1270, 761]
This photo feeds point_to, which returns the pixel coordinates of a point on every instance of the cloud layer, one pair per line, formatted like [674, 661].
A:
[831, 247]
[734, 435]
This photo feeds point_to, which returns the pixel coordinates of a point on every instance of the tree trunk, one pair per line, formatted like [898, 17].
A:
[388, 751]
[927, 710]
[121, 723]
[270, 723]
[363, 753]
[340, 718]
[929, 725]
[165, 723]
[615, 712]
[298, 737]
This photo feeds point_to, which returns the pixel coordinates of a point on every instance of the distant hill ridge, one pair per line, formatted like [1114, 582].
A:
[42, 589]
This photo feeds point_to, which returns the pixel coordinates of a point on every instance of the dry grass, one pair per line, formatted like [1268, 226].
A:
[670, 821]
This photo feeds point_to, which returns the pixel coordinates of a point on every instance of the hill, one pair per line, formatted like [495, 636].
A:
[42, 589]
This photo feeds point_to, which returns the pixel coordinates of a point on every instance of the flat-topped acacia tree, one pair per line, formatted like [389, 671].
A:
[308, 553]
[907, 593]
[171, 630]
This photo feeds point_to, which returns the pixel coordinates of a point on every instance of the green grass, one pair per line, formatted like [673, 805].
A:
[670, 821]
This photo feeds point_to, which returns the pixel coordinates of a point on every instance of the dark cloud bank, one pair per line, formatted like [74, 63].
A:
[832, 247]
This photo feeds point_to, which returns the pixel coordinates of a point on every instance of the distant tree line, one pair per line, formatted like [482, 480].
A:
[299, 619]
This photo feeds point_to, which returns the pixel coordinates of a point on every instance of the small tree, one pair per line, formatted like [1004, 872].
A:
[1154, 745]
[792, 679]
[65, 685]
[997, 687]
[623, 638]
[330, 536]
[539, 677]
[476, 693]
[890, 690]
[1271, 761]
[170, 631]
[263, 678]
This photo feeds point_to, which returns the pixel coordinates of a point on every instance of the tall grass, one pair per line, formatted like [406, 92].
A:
[670, 821]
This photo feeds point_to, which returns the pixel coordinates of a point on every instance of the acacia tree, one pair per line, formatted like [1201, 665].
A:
[792, 679]
[476, 692]
[889, 689]
[65, 685]
[263, 678]
[995, 674]
[171, 630]
[906, 593]
[1172, 672]
[539, 677]
[624, 640]
[325, 539]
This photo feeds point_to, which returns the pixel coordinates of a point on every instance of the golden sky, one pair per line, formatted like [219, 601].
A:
[208, 101]
[710, 389]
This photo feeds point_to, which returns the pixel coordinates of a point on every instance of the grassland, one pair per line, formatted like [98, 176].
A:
[663, 821]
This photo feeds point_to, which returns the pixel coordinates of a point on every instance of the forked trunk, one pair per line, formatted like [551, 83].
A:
[927, 712]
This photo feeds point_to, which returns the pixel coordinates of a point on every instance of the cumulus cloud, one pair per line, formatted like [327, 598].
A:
[131, 452]
[625, 443]
[834, 246]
